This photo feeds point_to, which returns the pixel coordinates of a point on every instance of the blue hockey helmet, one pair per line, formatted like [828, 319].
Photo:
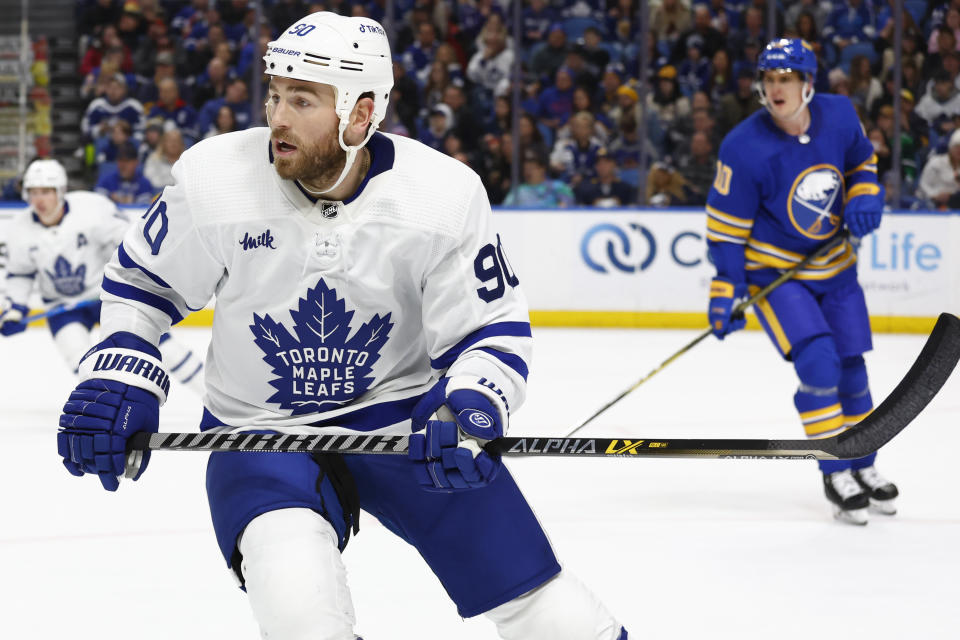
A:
[788, 54]
[794, 54]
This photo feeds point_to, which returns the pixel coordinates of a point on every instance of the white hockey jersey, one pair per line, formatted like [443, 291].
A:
[63, 262]
[328, 314]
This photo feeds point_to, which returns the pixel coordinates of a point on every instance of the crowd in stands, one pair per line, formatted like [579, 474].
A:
[160, 75]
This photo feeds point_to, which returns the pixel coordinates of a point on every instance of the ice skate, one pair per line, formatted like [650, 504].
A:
[849, 499]
[883, 493]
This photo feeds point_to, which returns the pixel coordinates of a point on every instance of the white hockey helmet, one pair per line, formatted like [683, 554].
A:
[44, 173]
[350, 54]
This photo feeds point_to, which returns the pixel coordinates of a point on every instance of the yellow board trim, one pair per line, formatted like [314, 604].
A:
[633, 320]
[202, 318]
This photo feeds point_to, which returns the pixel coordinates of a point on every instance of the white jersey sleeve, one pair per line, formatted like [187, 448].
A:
[475, 316]
[21, 269]
[163, 269]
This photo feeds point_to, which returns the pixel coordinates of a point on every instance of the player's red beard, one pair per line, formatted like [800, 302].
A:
[314, 165]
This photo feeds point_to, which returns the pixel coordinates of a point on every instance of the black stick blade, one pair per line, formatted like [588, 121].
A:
[924, 380]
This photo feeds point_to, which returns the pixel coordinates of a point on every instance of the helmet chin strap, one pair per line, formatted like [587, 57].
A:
[348, 164]
[351, 151]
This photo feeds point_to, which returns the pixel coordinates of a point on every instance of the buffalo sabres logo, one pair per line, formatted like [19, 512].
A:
[322, 367]
[816, 201]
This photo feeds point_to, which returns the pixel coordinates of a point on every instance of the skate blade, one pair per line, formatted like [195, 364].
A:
[850, 516]
[883, 507]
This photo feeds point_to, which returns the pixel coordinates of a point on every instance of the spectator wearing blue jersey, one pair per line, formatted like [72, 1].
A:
[113, 106]
[537, 189]
[107, 147]
[694, 72]
[235, 98]
[170, 108]
[439, 122]
[605, 189]
[556, 102]
[850, 22]
[538, 15]
[573, 159]
[420, 54]
[126, 184]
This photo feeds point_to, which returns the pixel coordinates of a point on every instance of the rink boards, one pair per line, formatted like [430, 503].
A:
[649, 267]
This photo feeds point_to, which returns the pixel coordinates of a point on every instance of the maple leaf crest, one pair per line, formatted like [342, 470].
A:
[65, 280]
[320, 366]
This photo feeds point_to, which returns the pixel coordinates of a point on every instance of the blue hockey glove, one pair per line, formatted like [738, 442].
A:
[862, 213]
[122, 387]
[457, 416]
[724, 296]
[11, 317]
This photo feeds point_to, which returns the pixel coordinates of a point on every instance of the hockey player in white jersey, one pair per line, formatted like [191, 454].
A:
[58, 247]
[359, 288]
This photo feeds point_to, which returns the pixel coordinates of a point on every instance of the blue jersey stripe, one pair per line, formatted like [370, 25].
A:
[512, 360]
[130, 292]
[21, 275]
[129, 263]
[513, 329]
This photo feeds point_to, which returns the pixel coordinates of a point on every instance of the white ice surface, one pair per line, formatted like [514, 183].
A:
[676, 548]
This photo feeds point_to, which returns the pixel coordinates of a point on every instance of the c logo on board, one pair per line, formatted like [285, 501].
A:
[617, 250]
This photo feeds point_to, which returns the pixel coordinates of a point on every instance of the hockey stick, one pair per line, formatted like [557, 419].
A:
[58, 309]
[737, 312]
[925, 378]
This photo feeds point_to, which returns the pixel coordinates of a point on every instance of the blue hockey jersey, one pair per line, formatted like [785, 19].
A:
[776, 200]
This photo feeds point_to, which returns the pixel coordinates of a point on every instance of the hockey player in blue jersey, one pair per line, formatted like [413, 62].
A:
[360, 288]
[788, 179]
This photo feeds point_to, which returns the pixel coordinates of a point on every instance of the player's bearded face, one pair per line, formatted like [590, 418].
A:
[316, 163]
[304, 133]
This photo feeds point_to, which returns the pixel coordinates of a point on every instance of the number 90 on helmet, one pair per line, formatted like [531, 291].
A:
[350, 54]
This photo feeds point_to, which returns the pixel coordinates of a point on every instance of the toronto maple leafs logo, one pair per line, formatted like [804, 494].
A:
[322, 367]
[65, 280]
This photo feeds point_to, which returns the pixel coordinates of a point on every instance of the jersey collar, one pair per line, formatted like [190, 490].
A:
[66, 210]
[382, 154]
